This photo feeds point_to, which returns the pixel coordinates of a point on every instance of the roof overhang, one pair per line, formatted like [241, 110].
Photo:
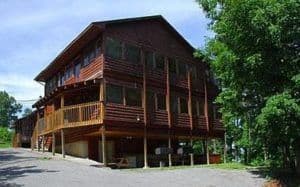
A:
[67, 54]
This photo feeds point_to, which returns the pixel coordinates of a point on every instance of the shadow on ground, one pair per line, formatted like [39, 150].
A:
[284, 176]
[9, 169]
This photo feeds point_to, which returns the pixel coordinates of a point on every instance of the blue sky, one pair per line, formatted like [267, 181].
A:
[33, 32]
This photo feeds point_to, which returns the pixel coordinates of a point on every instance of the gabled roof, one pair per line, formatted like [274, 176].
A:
[89, 33]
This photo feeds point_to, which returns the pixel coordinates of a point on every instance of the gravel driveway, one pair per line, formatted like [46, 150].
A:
[21, 167]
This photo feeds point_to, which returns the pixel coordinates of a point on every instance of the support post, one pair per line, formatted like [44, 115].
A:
[103, 146]
[192, 154]
[206, 105]
[207, 151]
[145, 149]
[43, 143]
[225, 147]
[38, 130]
[62, 143]
[53, 143]
[170, 147]
[145, 110]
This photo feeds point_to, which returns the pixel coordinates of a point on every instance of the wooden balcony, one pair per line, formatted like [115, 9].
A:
[70, 116]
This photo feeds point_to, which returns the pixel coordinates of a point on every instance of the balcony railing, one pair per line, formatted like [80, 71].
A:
[71, 116]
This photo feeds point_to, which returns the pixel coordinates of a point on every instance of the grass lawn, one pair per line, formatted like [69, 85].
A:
[226, 166]
[5, 145]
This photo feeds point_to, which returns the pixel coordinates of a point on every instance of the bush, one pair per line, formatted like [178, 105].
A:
[5, 134]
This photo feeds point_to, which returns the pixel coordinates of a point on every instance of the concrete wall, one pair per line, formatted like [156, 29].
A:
[78, 149]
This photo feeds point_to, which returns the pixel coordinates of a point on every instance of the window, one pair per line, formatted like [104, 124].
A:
[113, 48]
[210, 109]
[98, 47]
[182, 69]
[194, 73]
[77, 69]
[195, 110]
[159, 62]
[172, 65]
[149, 60]
[161, 102]
[201, 107]
[132, 53]
[174, 104]
[183, 105]
[69, 72]
[133, 97]
[114, 93]
[88, 56]
[150, 101]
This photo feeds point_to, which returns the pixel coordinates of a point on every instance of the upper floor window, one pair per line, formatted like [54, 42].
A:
[133, 97]
[132, 54]
[183, 105]
[172, 66]
[195, 107]
[113, 48]
[114, 93]
[88, 56]
[77, 69]
[161, 101]
[159, 62]
[182, 69]
[174, 104]
[69, 72]
[149, 59]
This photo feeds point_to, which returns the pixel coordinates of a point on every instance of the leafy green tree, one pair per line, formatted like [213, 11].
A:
[8, 109]
[255, 55]
[26, 112]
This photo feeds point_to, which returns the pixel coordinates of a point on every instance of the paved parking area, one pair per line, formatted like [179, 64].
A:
[21, 167]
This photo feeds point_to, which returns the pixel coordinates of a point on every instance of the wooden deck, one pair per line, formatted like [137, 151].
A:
[70, 116]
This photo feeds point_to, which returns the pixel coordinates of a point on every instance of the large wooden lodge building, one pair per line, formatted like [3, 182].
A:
[122, 88]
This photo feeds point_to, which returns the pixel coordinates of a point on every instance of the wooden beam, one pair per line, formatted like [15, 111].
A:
[206, 104]
[207, 151]
[102, 98]
[145, 149]
[53, 143]
[168, 96]
[170, 147]
[63, 143]
[62, 104]
[43, 143]
[190, 99]
[104, 160]
[192, 154]
[145, 110]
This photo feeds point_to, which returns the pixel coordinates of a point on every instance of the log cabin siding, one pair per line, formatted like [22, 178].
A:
[119, 112]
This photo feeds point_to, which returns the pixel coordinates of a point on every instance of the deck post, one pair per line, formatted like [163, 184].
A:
[103, 146]
[43, 143]
[225, 148]
[53, 143]
[207, 151]
[206, 105]
[62, 143]
[170, 147]
[192, 154]
[145, 149]
[62, 104]
[145, 109]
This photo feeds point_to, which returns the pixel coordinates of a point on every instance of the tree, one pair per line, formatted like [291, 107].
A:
[8, 109]
[255, 55]
[26, 112]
